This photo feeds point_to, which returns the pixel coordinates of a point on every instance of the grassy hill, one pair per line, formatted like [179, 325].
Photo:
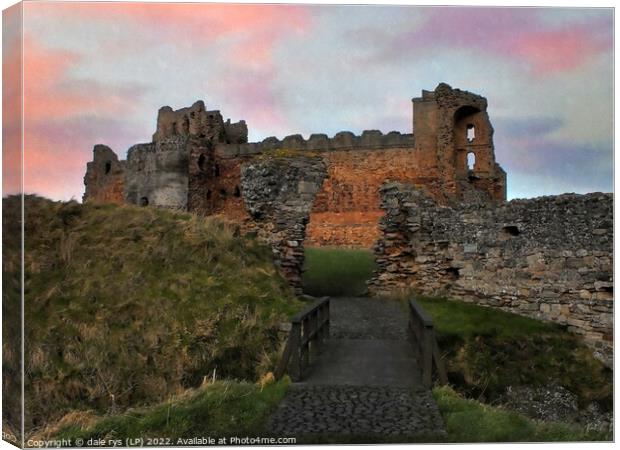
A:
[128, 306]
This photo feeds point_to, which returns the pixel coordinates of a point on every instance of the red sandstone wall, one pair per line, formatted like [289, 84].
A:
[104, 180]
[223, 190]
[346, 211]
[345, 229]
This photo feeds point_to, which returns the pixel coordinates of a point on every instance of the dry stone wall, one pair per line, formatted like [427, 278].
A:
[549, 258]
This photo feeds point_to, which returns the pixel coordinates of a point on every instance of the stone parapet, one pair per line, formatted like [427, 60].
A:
[345, 140]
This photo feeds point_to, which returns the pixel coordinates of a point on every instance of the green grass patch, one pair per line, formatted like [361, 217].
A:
[487, 350]
[468, 420]
[221, 409]
[337, 272]
[126, 306]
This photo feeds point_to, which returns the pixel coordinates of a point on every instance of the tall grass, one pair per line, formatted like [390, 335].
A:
[127, 306]
[468, 420]
[221, 409]
[487, 350]
[337, 272]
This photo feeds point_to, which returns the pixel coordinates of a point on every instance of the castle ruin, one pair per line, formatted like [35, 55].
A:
[195, 160]
[432, 203]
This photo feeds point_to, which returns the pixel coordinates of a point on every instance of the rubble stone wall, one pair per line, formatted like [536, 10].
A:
[279, 193]
[549, 258]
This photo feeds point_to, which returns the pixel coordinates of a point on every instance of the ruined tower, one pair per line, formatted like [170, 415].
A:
[454, 141]
[195, 163]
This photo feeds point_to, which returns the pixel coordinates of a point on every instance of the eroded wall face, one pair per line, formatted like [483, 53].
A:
[156, 174]
[195, 160]
[347, 209]
[105, 177]
[278, 194]
[549, 258]
[450, 124]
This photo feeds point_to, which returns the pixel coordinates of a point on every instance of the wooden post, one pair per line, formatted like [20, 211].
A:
[295, 335]
[427, 355]
[328, 319]
[309, 329]
[305, 346]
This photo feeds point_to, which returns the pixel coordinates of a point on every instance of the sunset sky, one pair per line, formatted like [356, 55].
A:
[98, 73]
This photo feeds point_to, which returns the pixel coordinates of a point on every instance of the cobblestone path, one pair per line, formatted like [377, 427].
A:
[365, 381]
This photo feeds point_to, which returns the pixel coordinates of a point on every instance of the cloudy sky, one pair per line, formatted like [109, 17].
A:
[98, 73]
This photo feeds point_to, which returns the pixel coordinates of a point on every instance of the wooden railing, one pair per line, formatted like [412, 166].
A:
[425, 344]
[309, 330]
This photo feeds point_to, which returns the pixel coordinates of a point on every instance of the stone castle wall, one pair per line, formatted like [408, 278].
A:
[104, 180]
[279, 193]
[347, 209]
[549, 258]
[198, 162]
[194, 163]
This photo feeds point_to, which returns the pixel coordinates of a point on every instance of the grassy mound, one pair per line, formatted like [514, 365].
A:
[221, 409]
[468, 420]
[487, 350]
[337, 272]
[127, 306]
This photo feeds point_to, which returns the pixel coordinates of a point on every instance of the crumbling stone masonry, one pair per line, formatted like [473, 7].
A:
[195, 160]
[549, 258]
[279, 192]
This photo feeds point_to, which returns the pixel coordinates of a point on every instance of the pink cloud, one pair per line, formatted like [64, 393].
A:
[51, 92]
[246, 37]
[201, 21]
[57, 150]
[558, 50]
[516, 34]
[64, 117]
[11, 101]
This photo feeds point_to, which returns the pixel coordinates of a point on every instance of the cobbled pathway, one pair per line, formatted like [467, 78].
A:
[364, 382]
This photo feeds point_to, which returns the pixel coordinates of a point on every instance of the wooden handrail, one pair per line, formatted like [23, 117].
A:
[425, 344]
[309, 330]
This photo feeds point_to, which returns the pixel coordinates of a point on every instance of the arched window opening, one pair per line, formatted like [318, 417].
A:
[201, 162]
[216, 170]
[108, 167]
[237, 192]
[471, 160]
[144, 201]
[209, 193]
[471, 133]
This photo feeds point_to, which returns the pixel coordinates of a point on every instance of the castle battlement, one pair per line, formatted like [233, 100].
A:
[344, 140]
[195, 161]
